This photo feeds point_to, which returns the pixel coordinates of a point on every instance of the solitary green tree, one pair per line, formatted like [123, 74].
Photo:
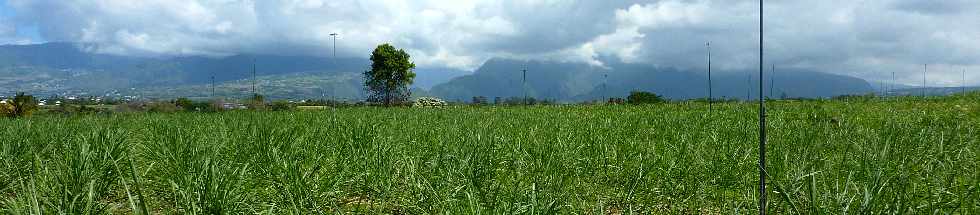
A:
[390, 75]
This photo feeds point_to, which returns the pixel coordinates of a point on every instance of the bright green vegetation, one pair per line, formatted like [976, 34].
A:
[906, 156]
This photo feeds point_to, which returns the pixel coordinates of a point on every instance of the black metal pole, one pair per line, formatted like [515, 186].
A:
[762, 121]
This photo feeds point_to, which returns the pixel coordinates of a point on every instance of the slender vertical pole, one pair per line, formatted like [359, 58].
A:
[893, 83]
[212, 86]
[925, 69]
[333, 90]
[524, 83]
[884, 89]
[334, 46]
[254, 81]
[772, 81]
[710, 96]
[748, 87]
[605, 86]
[762, 122]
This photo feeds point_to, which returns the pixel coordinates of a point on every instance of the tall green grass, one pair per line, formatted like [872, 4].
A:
[891, 156]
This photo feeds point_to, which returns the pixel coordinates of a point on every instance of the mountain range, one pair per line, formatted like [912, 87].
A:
[68, 69]
[581, 82]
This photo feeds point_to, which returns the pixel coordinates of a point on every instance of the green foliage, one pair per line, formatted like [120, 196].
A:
[281, 105]
[185, 103]
[6, 109]
[257, 102]
[513, 101]
[161, 107]
[641, 97]
[616, 101]
[479, 100]
[200, 106]
[68, 109]
[22, 105]
[825, 157]
[390, 75]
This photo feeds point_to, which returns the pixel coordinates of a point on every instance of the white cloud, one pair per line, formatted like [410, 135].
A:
[860, 38]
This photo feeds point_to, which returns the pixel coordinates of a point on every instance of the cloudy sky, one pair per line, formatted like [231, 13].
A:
[863, 38]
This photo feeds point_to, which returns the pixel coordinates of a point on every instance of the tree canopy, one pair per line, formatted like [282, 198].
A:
[642, 97]
[390, 75]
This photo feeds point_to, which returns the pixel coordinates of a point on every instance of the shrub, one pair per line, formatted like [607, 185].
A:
[429, 102]
[257, 102]
[161, 107]
[191, 105]
[6, 109]
[642, 97]
[281, 106]
[479, 100]
[21, 106]
[185, 103]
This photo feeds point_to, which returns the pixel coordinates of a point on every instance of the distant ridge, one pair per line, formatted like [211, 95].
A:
[581, 82]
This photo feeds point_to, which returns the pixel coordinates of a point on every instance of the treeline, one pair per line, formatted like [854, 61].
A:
[25, 105]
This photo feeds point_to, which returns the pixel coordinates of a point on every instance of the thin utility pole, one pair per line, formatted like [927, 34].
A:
[524, 83]
[710, 96]
[254, 81]
[605, 86]
[212, 86]
[762, 122]
[333, 88]
[334, 46]
[925, 69]
[748, 87]
[893, 83]
[772, 81]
